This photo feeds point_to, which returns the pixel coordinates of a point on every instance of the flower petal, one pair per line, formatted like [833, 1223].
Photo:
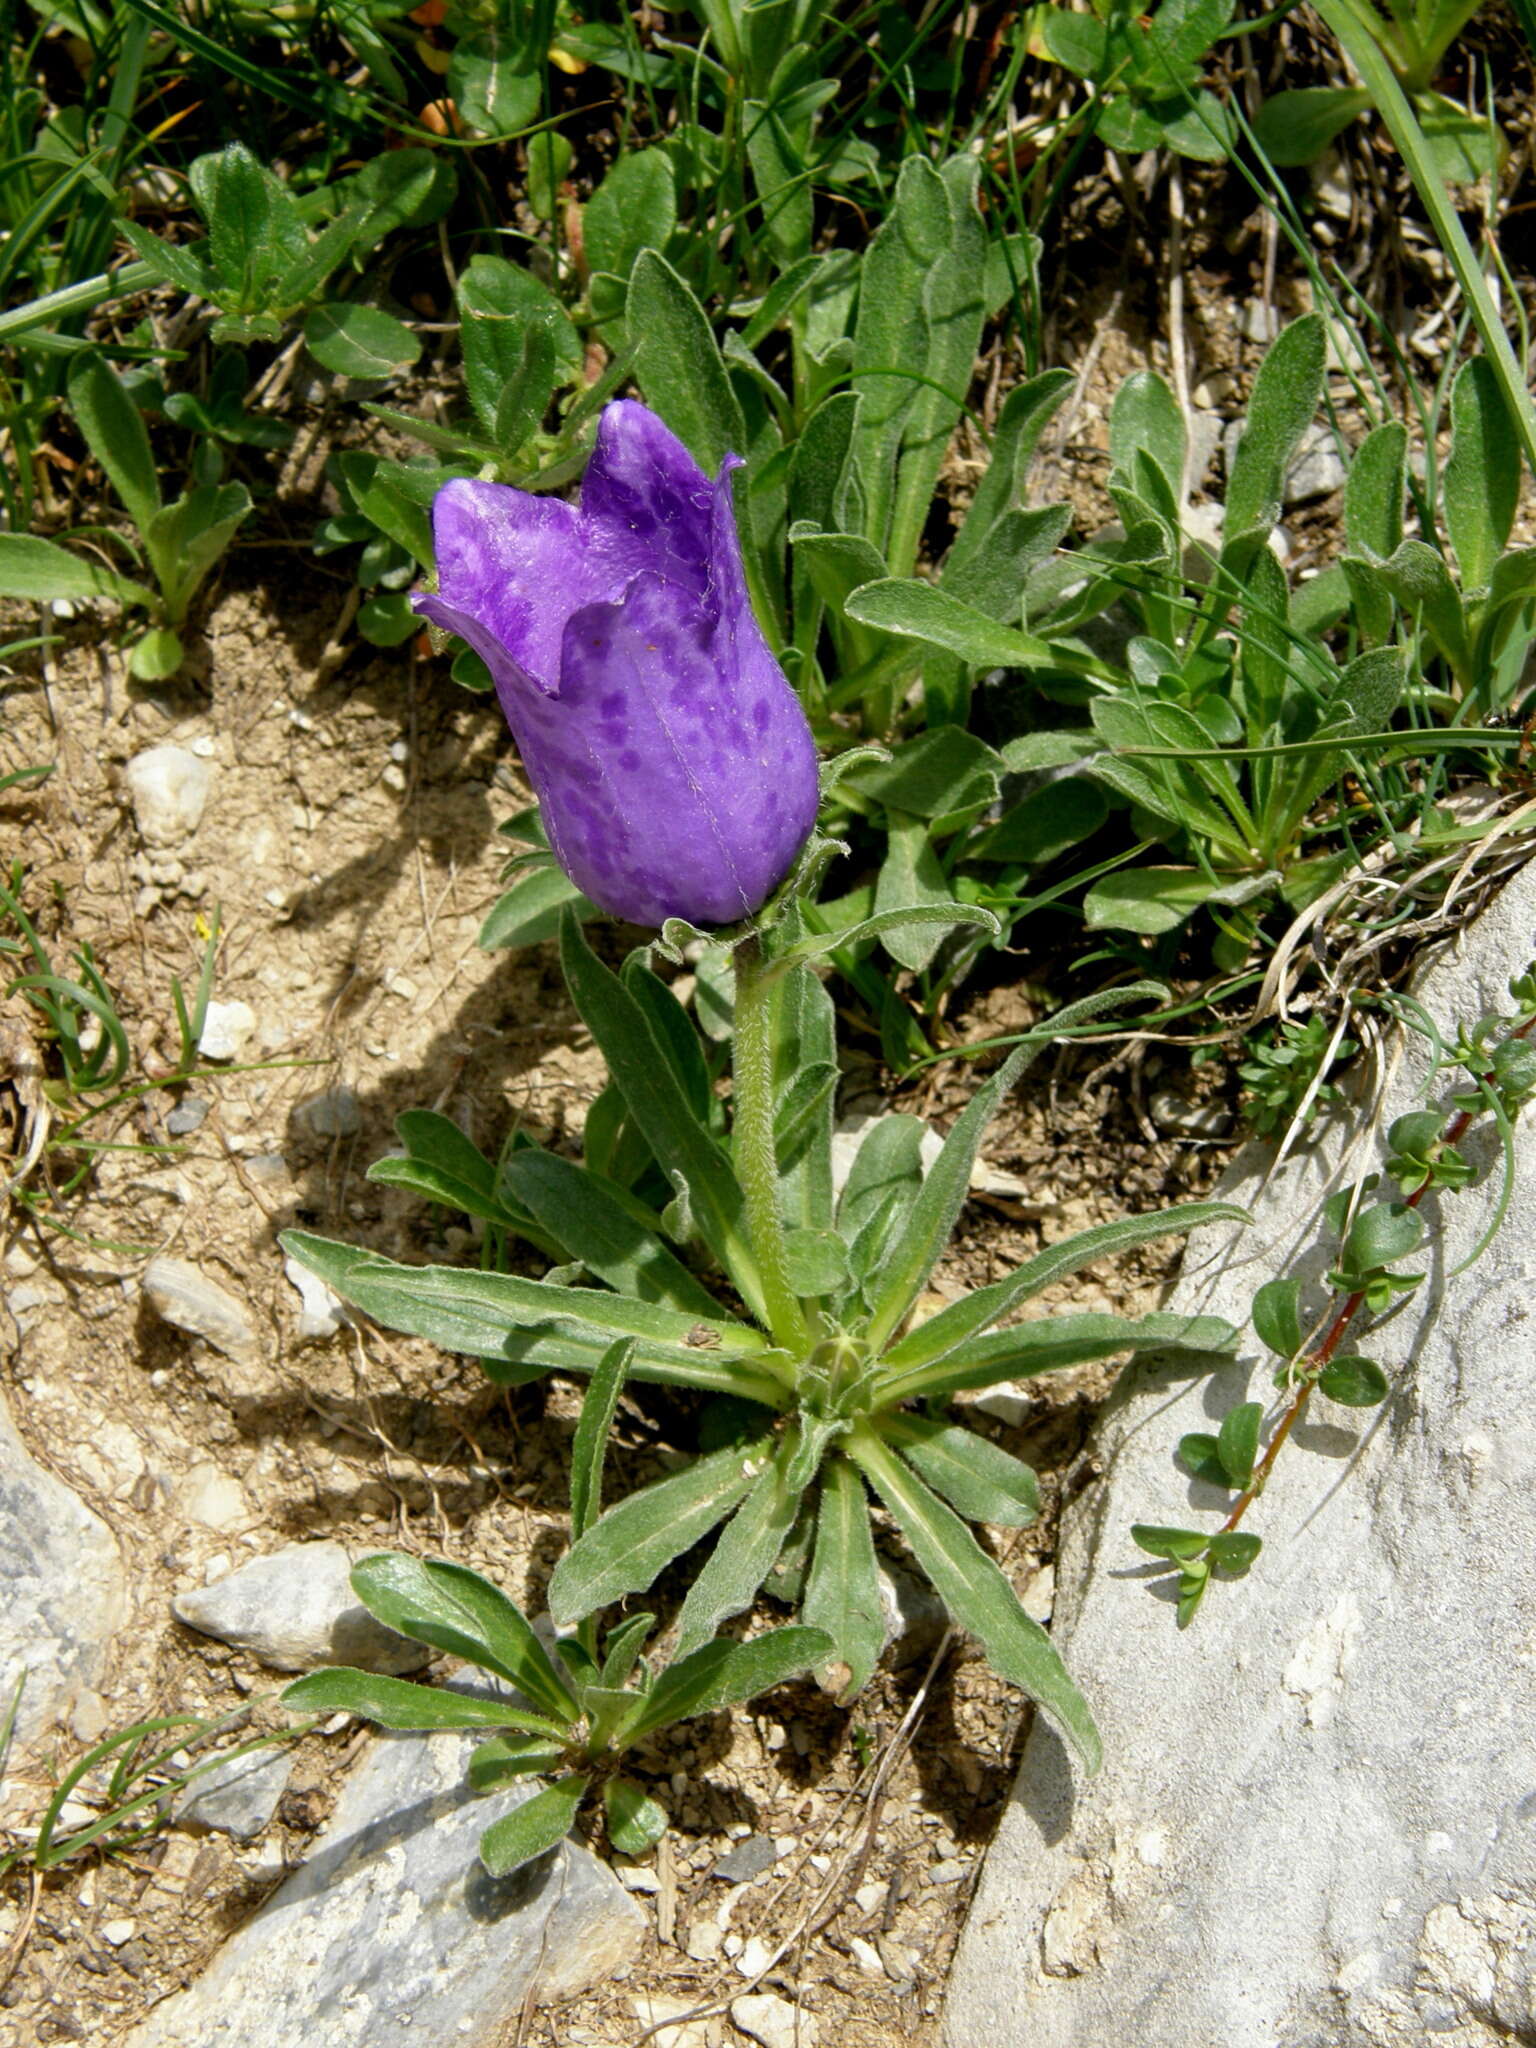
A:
[676, 771]
[517, 566]
[647, 498]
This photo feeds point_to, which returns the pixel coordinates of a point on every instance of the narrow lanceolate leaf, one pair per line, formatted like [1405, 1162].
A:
[1025, 1350]
[884, 921]
[977, 1595]
[598, 1407]
[1285, 397]
[624, 1551]
[536, 1826]
[519, 1334]
[115, 432]
[897, 1280]
[953, 1326]
[43, 571]
[746, 1552]
[920, 611]
[660, 1110]
[606, 1228]
[842, 1593]
[396, 1703]
[723, 1674]
[455, 1609]
[500, 1759]
[979, 1479]
[680, 367]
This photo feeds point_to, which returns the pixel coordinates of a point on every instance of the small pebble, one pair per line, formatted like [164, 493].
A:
[774, 2021]
[227, 1029]
[182, 1295]
[187, 1116]
[335, 1114]
[638, 1877]
[116, 1932]
[867, 1956]
[746, 1861]
[168, 787]
[754, 1958]
[704, 1939]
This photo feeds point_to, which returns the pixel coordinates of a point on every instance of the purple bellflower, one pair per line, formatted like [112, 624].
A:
[672, 761]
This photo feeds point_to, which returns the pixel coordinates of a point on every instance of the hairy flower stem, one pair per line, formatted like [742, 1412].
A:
[753, 1150]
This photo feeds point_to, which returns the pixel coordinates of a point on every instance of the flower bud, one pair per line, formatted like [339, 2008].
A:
[673, 764]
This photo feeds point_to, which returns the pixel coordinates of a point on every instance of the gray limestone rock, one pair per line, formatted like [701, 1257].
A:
[238, 1797]
[296, 1609]
[392, 1934]
[1316, 1822]
[64, 1590]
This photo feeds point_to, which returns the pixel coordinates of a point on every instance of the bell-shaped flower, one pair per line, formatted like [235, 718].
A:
[672, 761]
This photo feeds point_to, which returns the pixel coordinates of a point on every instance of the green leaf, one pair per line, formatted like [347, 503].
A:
[1237, 1445]
[360, 341]
[502, 1758]
[679, 366]
[604, 1227]
[1151, 900]
[396, 1703]
[387, 620]
[1285, 398]
[1373, 495]
[816, 1262]
[598, 1407]
[978, 1479]
[158, 654]
[538, 1825]
[1354, 1382]
[1232, 1551]
[254, 230]
[1482, 473]
[1421, 582]
[524, 1327]
[939, 772]
[635, 1822]
[1165, 1542]
[956, 1324]
[526, 394]
[746, 1550]
[1296, 127]
[977, 1595]
[921, 611]
[495, 85]
[1277, 1316]
[186, 538]
[889, 1160]
[498, 302]
[687, 1153]
[44, 572]
[623, 1552]
[910, 888]
[634, 208]
[1383, 1234]
[842, 1593]
[1050, 822]
[531, 910]
[455, 1609]
[1025, 1350]
[1024, 416]
[115, 433]
[1198, 1455]
[724, 1674]
[1145, 420]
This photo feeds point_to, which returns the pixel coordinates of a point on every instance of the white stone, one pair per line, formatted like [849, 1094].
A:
[115, 1932]
[212, 1498]
[168, 787]
[774, 2021]
[321, 1311]
[867, 1956]
[1315, 1824]
[183, 1295]
[295, 1609]
[227, 1029]
[755, 1957]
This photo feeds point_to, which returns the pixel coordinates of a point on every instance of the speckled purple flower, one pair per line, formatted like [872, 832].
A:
[673, 764]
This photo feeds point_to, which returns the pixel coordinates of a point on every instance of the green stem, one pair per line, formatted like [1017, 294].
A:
[1358, 36]
[753, 1151]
